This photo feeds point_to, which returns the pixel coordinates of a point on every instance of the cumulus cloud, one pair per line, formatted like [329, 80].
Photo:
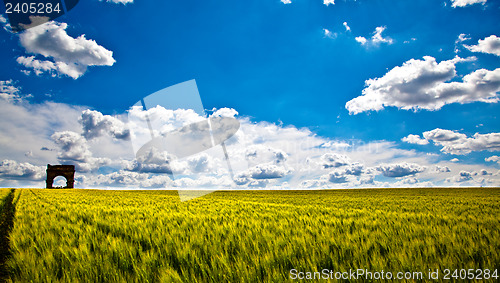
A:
[341, 175]
[337, 177]
[259, 154]
[154, 161]
[376, 38]
[261, 175]
[330, 160]
[11, 169]
[64, 55]
[463, 3]
[423, 84]
[458, 143]
[493, 158]
[472, 178]
[490, 45]
[441, 169]
[361, 40]
[95, 124]
[415, 139]
[27, 127]
[163, 120]
[286, 1]
[127, 179]
[264, 171]
[463, 176]
[262, 155]
[355, 169]
[400, 169]
[9, 92]
[200, 163]
[328, 2]
[40, 67]
[74, 149]
[224, 112]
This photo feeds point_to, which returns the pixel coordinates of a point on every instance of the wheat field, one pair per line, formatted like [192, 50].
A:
[76, 235]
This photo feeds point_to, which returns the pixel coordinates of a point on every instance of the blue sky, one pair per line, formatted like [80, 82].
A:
[296, 64]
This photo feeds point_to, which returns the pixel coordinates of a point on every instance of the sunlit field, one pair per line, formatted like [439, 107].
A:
[246, 236]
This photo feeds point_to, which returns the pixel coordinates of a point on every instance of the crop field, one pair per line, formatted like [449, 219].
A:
[245, 236]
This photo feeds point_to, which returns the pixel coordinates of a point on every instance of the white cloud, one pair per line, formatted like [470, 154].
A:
[330, 160]
[337, 177]
[286, 1]
[74, 149]
[95, 124]
[40, 67]
[361, 40]
[152, 162]
[9, 92]
[493, 158]
[473, 178]
[264, 171]
[224, 112]
[490, 45]
[6, 25]
[261, 175]
[455, 160]
[200, 163]
[400, 169]
[355, 169]
[463, 176]
[345, 174]
[126, 179]
[376, 38]
[65, 55]
[262, 155]
[27, 127]
[463, 3]
[328, 2]
[457, 143]
[415, 139]
[423, 84]
[461, 38]
[12, 169]
[441, 169]
[347, 27]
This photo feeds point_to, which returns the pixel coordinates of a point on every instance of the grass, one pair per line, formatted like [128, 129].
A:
[248, 236]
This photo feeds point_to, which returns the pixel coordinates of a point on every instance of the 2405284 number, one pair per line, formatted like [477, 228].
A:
[32, 8]
[477, 274]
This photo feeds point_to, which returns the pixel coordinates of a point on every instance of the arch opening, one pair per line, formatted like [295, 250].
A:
[60, 182]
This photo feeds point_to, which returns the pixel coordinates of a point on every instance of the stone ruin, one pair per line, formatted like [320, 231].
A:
[67, 171]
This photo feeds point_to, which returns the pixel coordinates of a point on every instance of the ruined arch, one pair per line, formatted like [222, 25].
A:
[67, 171]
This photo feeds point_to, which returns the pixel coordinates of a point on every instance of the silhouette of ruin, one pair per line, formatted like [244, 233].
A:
[67, 171]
